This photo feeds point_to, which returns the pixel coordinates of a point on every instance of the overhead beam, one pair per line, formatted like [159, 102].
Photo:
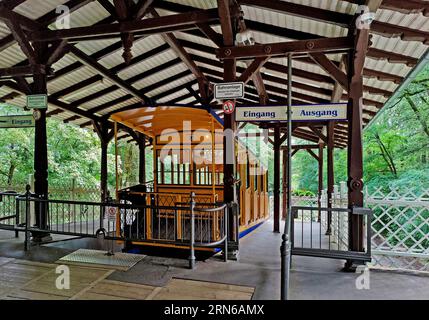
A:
[25, 71]
[283, 48]
[150, 26]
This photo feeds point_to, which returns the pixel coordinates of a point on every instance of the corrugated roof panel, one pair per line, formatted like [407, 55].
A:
[33, 10]
[11, 56]
[65, 61]
[148, 64]
[70, 79]
[159, 76]
[413, 21]
[192, 38]
[409, 48]
[105, 99]
[86, 91]
[4, 30]
[384, 85]
[187, 100]
[91, 47]
[174, 96]
[139, 47]
[120, 105]
[293, 22]
[172, 85]
[390, 68]
[85, 16]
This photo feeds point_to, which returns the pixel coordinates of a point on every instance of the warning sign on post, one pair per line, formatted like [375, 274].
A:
[228, 107]
[229, 90]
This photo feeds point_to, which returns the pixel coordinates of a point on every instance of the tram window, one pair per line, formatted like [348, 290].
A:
[171, 169]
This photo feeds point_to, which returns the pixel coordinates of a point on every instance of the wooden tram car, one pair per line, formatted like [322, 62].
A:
[188, 157]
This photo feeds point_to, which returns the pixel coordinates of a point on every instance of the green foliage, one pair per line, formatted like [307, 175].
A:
[303, 193]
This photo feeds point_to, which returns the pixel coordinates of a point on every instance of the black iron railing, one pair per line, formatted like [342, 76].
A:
[188, 224]
[324, 232]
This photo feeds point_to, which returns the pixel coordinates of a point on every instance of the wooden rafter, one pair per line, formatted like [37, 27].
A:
[330, 68]
[180, 51]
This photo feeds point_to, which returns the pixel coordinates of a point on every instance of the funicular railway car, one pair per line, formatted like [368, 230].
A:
[188, 157]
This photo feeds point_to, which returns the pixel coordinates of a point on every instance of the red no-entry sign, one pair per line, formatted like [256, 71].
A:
[228, 107]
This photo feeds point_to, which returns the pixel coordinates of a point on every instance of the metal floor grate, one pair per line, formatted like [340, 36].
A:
[99, 257]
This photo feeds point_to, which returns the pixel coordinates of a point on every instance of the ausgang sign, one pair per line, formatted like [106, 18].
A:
[319, 112]
[17, 121]
[229, 90]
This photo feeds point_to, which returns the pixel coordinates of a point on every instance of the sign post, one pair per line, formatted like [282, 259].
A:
[21, 121]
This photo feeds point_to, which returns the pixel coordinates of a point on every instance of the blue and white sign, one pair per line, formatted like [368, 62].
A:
[319, 112]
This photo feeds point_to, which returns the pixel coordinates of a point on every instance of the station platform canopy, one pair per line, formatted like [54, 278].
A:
[167, 52]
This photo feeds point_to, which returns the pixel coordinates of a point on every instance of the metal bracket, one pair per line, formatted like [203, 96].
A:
[361, 211]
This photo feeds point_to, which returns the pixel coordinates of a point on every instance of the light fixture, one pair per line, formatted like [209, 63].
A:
[245, 38]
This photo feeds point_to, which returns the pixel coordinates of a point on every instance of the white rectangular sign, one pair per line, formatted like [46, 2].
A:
[21, 121]
[319, 112]
[230, 90]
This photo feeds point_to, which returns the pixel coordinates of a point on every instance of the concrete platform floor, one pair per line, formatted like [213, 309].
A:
[258, 267]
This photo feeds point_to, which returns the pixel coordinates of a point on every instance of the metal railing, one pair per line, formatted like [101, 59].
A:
[8, 214]
[188, 224]
[324, 238]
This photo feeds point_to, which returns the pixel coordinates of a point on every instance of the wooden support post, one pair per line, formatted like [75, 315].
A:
[276, 190]
[102, 130]
[40, 159]
[355, 165]
[320, 189]
[104, 172]
[229, 150]
[331, 178]
[142, 158]
[285, 186]
[355, 150]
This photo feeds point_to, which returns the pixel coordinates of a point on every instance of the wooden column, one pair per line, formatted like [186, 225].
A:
[284, 183]
[355, 165]
[355, 150]
[105, 136]
[330, 169]
[320, 186]
[276, 190]
[40, 156]
[142, 158]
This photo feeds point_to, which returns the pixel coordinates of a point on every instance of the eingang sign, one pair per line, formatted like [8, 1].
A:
[21, 121]
[319, 112]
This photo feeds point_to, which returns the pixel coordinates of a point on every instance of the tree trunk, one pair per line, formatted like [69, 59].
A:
[386, 155]
[10, 174]
[418, 115]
